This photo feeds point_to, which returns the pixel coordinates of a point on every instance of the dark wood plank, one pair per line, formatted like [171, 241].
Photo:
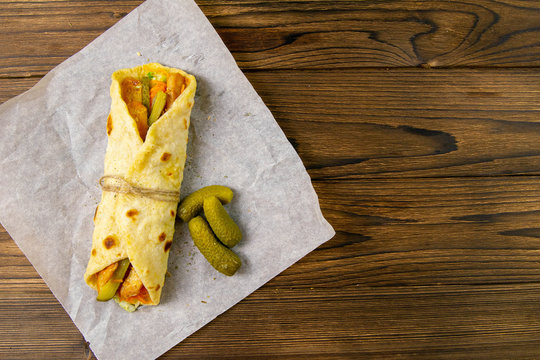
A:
[433, 231]
[32, 322]
[366, 123]
[452, 322]
[329, 34]
[431, 268]
[408, 123]
[425, 232]
[38, 35]
[436, 254]
[286, 321]
[11, 87]
[292, 321]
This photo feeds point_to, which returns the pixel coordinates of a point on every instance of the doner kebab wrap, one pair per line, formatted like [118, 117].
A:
[147, 132]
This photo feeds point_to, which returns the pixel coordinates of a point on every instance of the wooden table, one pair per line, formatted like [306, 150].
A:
[419, 123]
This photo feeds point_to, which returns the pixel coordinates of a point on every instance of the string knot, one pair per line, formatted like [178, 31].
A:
[117, 184]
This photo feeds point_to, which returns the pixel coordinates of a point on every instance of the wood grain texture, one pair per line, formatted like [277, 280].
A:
[328, 34]
[431, 177]
[365, 123]
[412, 322]
[435, 268]
[431, 231]
[395, 230]
[408, 122]
[37, 35]
[320, 319]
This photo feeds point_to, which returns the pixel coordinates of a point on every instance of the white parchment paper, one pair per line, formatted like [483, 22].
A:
[54, 140]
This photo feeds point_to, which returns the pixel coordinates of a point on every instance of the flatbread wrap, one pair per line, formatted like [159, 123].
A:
[147, 131]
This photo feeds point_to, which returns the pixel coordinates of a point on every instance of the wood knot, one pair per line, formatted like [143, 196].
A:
[118, 15]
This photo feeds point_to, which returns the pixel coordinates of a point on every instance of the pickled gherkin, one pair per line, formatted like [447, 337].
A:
[193, 203]
[221, 223]
[157, 107]
[109, 289]
[220, 257]
[145, 92]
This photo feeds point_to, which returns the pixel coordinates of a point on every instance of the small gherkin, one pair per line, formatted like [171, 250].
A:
[221, 223]
[220, 257]
[192, 204]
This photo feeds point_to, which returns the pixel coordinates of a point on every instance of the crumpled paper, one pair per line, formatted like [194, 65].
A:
[54, 140]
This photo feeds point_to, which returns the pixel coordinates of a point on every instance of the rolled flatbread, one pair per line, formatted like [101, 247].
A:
[131, 222]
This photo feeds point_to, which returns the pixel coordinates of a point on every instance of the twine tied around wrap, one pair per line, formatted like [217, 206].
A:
[117, 184]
